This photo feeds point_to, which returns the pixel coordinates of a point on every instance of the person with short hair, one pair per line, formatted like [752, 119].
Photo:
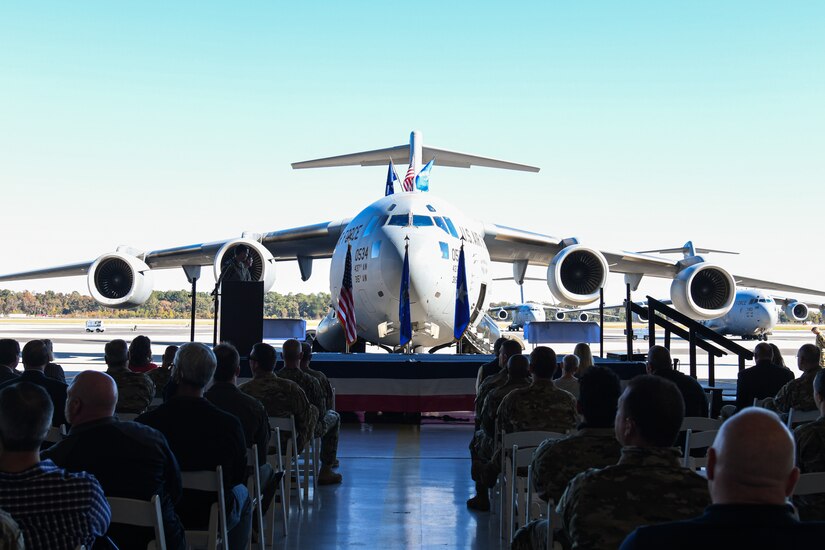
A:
[797, 393]
[279, 396]
[9, 359]
[135, 389]
[331, 416]
[508, 349]
[130, 460]
[203, 437]
[568, 381]
[810, 452]
[751, 474]
[53, 370]
[762, 380]
[237, 267]
[648, 485]
[582, 351]
[659, 363]
[592, 445]
[140, 355]
[491, 367]
[161, 375]
[35, 356]
[55, 509]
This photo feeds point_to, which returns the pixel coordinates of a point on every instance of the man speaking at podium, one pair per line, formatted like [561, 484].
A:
[237, 268]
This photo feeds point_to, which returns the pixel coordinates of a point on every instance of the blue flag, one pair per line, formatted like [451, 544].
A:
[422, 180]
[462, 299]
[404, 305]
[391, 177]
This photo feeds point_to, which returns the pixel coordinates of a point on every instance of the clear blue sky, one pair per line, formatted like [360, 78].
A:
[131, 123]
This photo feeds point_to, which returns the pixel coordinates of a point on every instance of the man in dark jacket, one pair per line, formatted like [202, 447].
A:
[762, 380]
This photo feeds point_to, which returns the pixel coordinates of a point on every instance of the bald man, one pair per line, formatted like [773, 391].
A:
[659, 363]
[762, 380]
[751, 473]
[129, 460]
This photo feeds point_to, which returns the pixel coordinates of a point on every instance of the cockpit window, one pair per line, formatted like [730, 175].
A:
[401, 220]
[391, 208]
[439, 221]
[430, 208]
[371, 225]
[753, 301]
[453, 232]
[421, 221]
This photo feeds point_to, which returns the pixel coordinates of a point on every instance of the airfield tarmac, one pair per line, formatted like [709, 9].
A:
[77, 350]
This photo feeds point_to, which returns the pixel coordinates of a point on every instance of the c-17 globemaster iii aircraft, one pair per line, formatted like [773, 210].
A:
[434, 231]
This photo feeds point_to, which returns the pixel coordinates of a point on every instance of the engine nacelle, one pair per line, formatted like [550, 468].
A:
[703, 291]
[584, 317]
[576, 274]
[641, 317]
[796, 311]
[502, 314]
[559, 316]
[263, 264]
[120, 280]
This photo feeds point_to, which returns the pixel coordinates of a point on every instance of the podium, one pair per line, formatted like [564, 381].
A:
[242, 317]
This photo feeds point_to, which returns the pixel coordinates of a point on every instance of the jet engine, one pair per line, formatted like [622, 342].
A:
[263, 264]
[796, 311]
[119, 280]
[584, 317]
[703, 291]
[576, 274]
[502, 314]
[641, 318]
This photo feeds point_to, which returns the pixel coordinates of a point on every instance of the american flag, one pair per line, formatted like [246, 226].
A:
[409, 179]
[346, 308]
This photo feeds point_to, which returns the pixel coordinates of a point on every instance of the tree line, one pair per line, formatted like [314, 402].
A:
[169, 304]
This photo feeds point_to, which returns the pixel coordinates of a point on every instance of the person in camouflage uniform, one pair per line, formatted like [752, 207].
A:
[329, 423]
[134, 389]
[820, 343]
[797, 393]
[161, 375]
[810, 453]
[326, 386]
[648, 485]
[594, 445]
[280, 397]
[508, 349]
[491, 367]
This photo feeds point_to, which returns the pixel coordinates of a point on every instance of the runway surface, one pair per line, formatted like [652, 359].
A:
[77, 350]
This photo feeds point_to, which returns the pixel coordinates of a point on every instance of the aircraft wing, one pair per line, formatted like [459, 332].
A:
[783, 301]
[311, 241]
[769, 285]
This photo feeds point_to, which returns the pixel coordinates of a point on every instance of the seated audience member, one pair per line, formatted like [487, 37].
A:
[508, 349]
[203, 437]
[762, 380]
[225, 395]
[648, 485]
[53, 370]
[797, 393]
[777, 355]
[280, 397]
[659, 363]
[11, 537]
[491, 367]
[810, 453]
[326, 386]
[328, 425]
[593, 445]
[751, 473]
[160, 376]
[140, 355]
[54, 509]
[481, 446]
[582, 351]
[568, 381]
[9, 359]
[130, 460]
[135, 390]
[35, 358]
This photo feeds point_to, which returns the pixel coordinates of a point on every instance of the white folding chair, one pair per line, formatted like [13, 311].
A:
[287, 424]
[697, 440]
[141, 513]
[211, 482]
[519, 492]
[700, 423]
[810, 484]
[279, 470]
[156, 402]
[528, 439]
[547, 512]
[127, 417]
[56, 433]
[801, 417]
[253, 485]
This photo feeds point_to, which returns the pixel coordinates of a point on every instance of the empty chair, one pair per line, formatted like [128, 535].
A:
[796, 417]
[287, 424]
[140, 513]
[211, 482]
[519, 459]
[700, 423]
[810, 484]
[253, 485]
[697, 440]
[127, 417]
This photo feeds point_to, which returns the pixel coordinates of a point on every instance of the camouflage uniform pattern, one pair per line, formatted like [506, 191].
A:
[160, 376]
[481, 446]
[326, 386]
[648, 486]
[490, 383]
[820, 343]
[810, 457]
[329, 422]
[135, 390]
[281, 397]
[798, 394]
